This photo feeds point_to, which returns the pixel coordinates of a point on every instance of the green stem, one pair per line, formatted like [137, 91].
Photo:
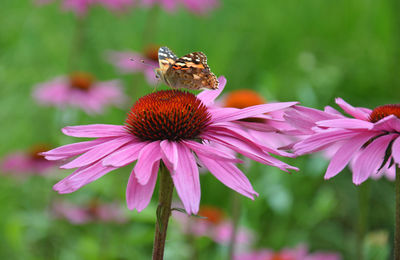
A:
[77, 44]
[397, 222]
[236, 211]
[163, 212]
[363, 196]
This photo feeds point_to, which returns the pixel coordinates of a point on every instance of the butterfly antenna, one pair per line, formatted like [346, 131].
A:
[143, 62]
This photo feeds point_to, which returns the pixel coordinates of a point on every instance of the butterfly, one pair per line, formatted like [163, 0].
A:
[190, 71]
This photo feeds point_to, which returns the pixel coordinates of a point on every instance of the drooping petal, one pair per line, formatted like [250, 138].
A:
[169, 154]
[71, 150]
[138, 196]
[186, 180]
[370, 159]
[96, 130]
[345, 153]
[210, 151]
[390, 123]
[97, 152]
[396, 150]
[124, 155]
[208, 96]
[353, 111]
[347, 123]
[81, 177]
[148, 160]
[318, 141]
[229, 175]
[232, 114]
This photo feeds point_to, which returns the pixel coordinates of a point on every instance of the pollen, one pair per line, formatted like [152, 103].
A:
[383, 111]
[211, 214]
[168, 115]
[243, 98]
[81, 80]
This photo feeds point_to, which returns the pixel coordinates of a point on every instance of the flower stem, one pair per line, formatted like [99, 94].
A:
[77, 44]
[363, 195]
[163, 212]
[236, 210]
[397, 222]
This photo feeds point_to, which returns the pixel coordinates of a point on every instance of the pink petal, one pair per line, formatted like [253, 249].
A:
[347, 123]
[186, 180]
[148, 161]
[231, 114]
[97, 152]
[81, 177]
[318, 141]
[210, 151]
[139, 196]
[396, 150]
[229, 175]
[97, 130]
[370, 159]
[208, 96]
[345, 153]
[353, 111]
[70, 150]
[124, 155]
[390, 123]
[169, 154]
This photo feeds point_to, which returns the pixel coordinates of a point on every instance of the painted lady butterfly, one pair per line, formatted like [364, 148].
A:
[190, 71]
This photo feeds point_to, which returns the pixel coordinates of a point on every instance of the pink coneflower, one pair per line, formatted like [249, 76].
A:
[213, 224]
[94, 211]
[299, 253]
[200, 7]
[134, 62]
[81, 7]
[369, 139]
[24, 163]
[80, 90]
[174, 127]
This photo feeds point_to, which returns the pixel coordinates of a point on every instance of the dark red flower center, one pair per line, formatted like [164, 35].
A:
[81, 80]
[279, 256]
[211, 214]
[168, 115]
[245, 98]
[384, 111]
[151, 52]
[35, 151]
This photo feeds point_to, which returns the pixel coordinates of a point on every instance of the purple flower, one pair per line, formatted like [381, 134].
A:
[91, 212]
[174, 127]
[368, 140]
[134, 62]
[214, 225]
[299, 253]
[80, 90]
[25, 163]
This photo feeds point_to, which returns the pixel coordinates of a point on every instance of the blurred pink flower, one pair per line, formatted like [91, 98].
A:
[25, 163]
[299, 253]
[368, 141]
[214, 225]
[170, 126]
[133, 62]
[200, 7]
[91, 212]
[81, 7]
[80, 90]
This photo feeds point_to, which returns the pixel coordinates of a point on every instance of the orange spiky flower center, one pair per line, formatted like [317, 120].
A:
[151, 52]
[81, 80]
[383, 111]
[211, 214]
[245, 98]
[279, 256]
[168, 115]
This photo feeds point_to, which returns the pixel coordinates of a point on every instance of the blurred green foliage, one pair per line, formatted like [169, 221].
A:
[311, 51]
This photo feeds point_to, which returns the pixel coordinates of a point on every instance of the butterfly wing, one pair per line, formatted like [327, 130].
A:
[192, 72]
[165, 58]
